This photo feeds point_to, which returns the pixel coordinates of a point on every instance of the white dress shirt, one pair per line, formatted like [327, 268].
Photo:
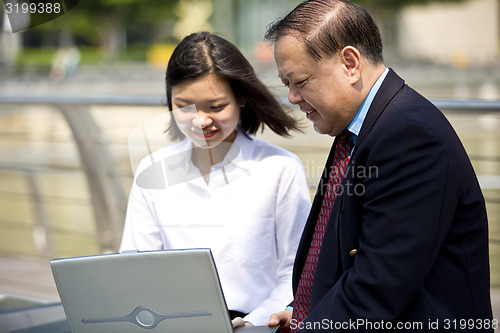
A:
[251, 215]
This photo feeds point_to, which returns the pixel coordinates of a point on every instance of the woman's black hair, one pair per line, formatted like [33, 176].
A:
[204, 53]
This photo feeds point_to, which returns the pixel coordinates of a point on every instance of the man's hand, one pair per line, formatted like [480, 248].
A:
[281, 318]
[239, 322]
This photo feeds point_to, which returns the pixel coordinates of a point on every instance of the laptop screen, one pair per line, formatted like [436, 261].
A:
[160, 291]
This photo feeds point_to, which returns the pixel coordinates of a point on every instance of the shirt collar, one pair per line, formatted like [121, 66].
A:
[174, 165]
[239, 157]
[241, 151]
[359, 118]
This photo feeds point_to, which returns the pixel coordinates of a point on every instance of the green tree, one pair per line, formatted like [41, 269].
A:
[104, 23]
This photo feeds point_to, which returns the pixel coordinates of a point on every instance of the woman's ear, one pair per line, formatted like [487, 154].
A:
[351, 59]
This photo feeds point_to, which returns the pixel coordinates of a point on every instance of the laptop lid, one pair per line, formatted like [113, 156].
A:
[159, 291]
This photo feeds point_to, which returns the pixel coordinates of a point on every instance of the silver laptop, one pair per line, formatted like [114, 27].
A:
[160, 291]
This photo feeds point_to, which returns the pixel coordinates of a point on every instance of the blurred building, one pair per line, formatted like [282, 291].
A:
[462, 34]
[244, 21]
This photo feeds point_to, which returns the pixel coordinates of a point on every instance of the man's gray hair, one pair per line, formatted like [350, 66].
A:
[327, 26]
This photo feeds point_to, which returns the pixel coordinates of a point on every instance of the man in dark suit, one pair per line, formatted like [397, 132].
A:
[397, 236]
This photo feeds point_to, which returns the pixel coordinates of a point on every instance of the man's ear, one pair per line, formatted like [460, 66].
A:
[351, 59]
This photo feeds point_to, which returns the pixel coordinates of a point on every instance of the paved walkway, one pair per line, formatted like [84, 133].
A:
[31, 279]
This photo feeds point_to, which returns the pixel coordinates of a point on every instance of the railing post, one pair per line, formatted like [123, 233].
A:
[41, 230]
[107, 195]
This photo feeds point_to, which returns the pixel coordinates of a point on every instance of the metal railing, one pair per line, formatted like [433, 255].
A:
[107, 196]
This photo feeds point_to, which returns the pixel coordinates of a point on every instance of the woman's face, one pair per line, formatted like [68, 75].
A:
[206, 110]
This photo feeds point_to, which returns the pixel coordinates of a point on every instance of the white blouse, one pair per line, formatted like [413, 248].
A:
[251, 215]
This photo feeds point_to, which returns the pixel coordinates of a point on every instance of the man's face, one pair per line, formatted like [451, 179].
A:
[321, 89]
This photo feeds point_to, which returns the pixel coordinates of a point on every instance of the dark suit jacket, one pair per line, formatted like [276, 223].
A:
[407, 238]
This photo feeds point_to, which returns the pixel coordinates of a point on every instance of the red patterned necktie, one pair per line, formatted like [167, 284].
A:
[302, 304]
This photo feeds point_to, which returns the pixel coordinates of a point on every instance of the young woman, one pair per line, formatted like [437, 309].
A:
[243, 198]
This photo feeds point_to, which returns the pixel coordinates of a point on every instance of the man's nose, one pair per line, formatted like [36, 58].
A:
[294, 96]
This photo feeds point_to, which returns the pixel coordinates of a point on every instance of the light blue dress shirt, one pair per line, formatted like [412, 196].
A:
[359, 118]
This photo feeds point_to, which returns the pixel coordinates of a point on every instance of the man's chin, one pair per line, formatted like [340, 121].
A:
[320, 130]
[323, 130]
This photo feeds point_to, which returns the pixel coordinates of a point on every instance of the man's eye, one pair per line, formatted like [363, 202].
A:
[300, 83]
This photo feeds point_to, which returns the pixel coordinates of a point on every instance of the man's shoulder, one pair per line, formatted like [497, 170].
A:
[406, 106]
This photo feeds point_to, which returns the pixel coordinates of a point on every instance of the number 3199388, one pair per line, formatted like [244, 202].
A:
[33, 8]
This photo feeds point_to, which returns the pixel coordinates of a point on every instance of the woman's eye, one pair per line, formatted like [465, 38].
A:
[184, 108]
[218, 107]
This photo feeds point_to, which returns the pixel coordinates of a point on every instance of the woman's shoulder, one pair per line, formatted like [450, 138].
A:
[177, 151]
[261, 149]
[272, 149]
